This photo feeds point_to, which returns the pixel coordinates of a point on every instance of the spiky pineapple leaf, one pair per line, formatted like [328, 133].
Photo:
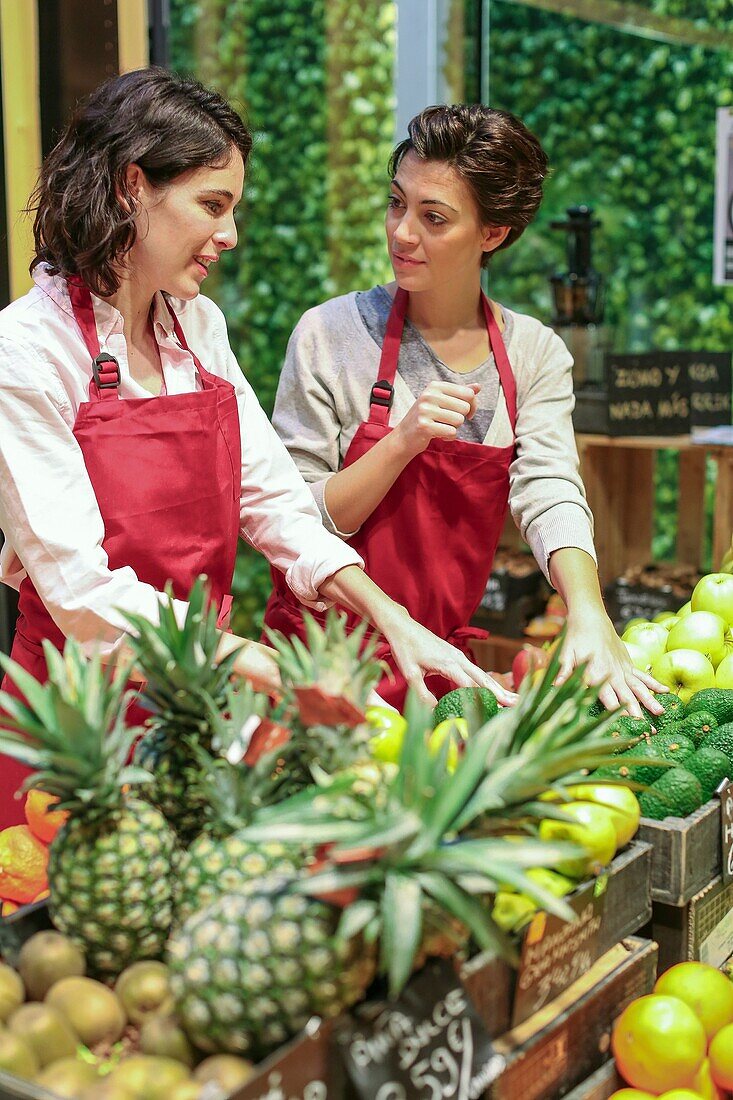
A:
[470, 912]
[402, 923]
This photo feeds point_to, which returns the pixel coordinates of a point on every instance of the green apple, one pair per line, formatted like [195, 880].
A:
[685, 609]
[649, 637]
[714, 592]
[684, 672]
[592, 827]
[664, 618]
[621, 802]
[724, 673]
[634, 622]
[639, 658]
[703, 631]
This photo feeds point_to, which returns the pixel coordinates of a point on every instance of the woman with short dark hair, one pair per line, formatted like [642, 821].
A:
[133, 453]
[414, 441]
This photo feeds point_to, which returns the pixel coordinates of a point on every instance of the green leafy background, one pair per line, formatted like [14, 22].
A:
[628, 123]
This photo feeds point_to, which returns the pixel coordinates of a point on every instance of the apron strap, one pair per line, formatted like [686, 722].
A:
[105, 382]
[205, 376]
[382, 394]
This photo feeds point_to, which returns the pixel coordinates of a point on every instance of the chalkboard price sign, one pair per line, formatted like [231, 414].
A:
[429, 1044]
[555, 952]
[725, 794]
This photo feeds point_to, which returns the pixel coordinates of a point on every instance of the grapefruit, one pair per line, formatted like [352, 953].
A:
[707, 992]
[657, 1042]
[721, 1058]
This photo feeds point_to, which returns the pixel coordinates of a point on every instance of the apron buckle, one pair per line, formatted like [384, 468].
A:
[386, 397]
[106, 377]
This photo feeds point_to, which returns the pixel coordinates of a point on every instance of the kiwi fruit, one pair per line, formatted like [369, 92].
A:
[45, 1030]
[46, 958]
[162, 1035]
[92, 1010]
[149, 1077]
[12, 991]
[144, 990]
[67, 1077]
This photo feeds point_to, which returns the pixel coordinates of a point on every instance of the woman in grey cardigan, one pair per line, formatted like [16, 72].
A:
[414, 440]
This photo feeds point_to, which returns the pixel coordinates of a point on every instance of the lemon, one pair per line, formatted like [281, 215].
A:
[389, 727]
[592, 827]
[621, 803]
[457, 729]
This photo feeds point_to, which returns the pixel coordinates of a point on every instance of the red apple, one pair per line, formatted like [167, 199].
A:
[528, 660]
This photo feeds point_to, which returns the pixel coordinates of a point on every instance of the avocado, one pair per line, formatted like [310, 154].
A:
[720, 738]
[711, 766]
[696, 725]
[637, 773]
[674, 710]
[467, 703]
[719, 701]
[674, 746]
[676, 794]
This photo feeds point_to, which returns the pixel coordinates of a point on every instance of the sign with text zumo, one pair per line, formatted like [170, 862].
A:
[668, 392]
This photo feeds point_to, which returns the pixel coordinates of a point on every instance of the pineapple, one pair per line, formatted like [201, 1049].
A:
[182, 673]
[110, 867]
[398, 871]
[219, 861]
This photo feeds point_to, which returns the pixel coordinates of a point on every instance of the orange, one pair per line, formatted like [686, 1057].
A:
[632, 1094]
[708, 993]
[44, 823]
[658, 1042]
[680, 1094]
[703, 1084]
[8, 907]
[721, 1058]
[23, 863]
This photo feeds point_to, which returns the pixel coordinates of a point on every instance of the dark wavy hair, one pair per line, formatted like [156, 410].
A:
[500, 160]
[84, 213]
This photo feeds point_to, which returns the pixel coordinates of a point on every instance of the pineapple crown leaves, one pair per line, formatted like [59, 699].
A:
[178, 661]
[330, 659]
[71, 731]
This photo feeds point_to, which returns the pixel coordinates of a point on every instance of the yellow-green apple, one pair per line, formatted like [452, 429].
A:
[634, 622]
[684, 671]
[592, 827]
[639, 658]
[685, 609]
[664, 618]
[724, 673]
[714, 592]
[617, 798]
[649, 637]
[703, 631]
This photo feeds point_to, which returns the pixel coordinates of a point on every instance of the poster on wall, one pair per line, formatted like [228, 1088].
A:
[723, 247]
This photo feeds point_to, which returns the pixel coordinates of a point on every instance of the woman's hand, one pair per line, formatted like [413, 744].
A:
[438, 413]
[254, 662]
[418, 652]
[591, 638]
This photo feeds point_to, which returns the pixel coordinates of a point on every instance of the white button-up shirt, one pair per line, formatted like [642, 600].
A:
[48, 511]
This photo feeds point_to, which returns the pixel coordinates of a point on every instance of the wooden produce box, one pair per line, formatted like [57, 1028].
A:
[600, 1085]
[701, 930]
[687, 853]
[492, 984]
[558, 1047]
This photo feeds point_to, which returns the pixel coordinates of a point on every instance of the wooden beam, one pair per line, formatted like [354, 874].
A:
[21, 130]
[132, 35]
[633, 19]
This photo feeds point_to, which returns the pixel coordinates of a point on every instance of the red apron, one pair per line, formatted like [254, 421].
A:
[166, 472]
[430, 542]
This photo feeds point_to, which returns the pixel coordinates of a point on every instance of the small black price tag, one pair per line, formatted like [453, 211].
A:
[555, 953]
[428, 1044]
[725, 794]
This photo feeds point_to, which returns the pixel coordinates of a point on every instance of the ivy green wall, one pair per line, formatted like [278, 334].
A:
[629, 126]
[315, 80]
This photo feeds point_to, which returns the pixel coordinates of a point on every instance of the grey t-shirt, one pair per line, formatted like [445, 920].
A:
[418, 364]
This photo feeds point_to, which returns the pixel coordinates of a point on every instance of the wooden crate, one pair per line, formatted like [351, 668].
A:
[599, 1086]
[687, 853]
[490, 982]
[702, 929]
[558, 1047]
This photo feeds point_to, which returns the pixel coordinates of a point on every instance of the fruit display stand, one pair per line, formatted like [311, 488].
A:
[618, 474]
[563, 1043]
[686, 853]
[700, 930]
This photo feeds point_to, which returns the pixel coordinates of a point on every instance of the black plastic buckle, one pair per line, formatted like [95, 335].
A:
[385, 398]
[102, 358]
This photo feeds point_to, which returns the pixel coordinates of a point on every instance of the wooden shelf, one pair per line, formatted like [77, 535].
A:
[618, 473]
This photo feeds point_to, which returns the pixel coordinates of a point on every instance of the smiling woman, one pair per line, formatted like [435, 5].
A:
[134, 453]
